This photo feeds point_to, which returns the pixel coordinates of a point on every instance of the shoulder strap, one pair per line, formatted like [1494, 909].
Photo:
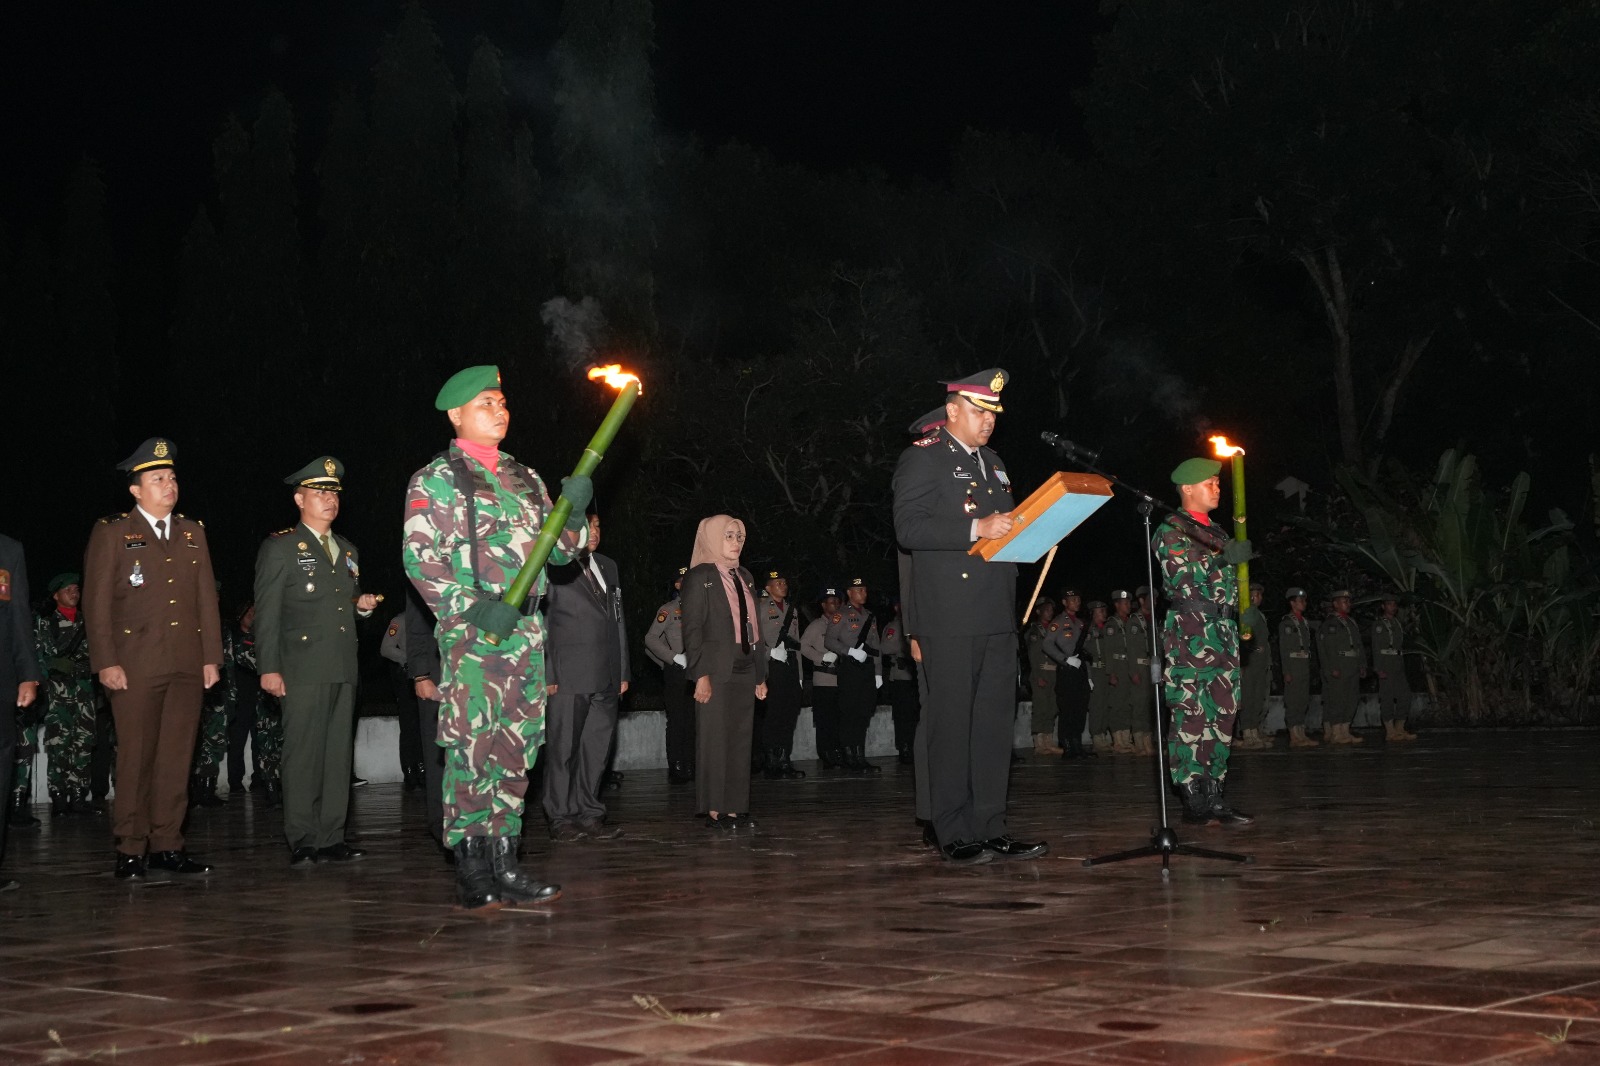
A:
[465, 485]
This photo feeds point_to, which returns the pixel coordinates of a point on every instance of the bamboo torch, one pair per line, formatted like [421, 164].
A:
[1235, 454]
[628, 387]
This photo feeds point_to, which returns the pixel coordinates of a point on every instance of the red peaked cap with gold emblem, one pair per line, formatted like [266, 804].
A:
[981, 389]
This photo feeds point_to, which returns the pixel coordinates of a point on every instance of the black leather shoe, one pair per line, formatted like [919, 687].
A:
[130, 868]
[739, 821]
[177, 862]
[8, 885]
[929, 837]
[1008, 847]
[340, 852]
[306, 856]
[600, 831]
[357, 782]
[905, 756]
[94, 805]
[790, 770]
[567, 834]
[966, 853]
[721, 825]
[610, 779]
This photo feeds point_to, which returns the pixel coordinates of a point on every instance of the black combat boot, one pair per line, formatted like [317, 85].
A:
[21, 815]
[772, 766]
[1218, 808]
[678, 774]
[1196, 802]
[865, 765]
[850, 759]
[790, 770]
[828, 758]
[515, 886]
[272, 794]
[60, 804]
[203, 792]
[475, 883]
[411, 778]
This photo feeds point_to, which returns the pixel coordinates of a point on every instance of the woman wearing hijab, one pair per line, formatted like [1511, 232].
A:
[728, 665]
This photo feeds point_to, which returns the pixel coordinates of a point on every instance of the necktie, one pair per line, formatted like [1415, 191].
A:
[327, 548]
[161, 530]
[977, 457]
[744, 616]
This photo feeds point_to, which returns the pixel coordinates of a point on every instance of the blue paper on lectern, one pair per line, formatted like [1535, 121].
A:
[1047, 529]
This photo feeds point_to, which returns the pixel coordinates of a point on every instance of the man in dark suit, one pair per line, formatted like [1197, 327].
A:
[308, 596]
[20, 675]
[949, 492]
[422, 668]
[155, 641]
[588, 673]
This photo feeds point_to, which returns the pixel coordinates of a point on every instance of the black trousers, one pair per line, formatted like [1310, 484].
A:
[432, 764]
[8, 756]
[578, 730]
[405, 698]
[241, 719]
[1072, 703]
[968, 714]
[105, 752]
[678, 695]
[858, 699]
[783, 705]
[906, 708]
[722, 770]
[825, 716]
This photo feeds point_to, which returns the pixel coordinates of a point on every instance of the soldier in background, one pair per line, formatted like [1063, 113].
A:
[779, 620]
[1041, 676]
[1140, 706]
[261, 713]
[900, 684]
[1096, 651]
[63, 647]
[1065, 646]
[824, 682]
[1343, 667]
[1121, 644]
[852, 634]
[663, 643]
[211, 745]
[491, 716]
[1256, 673]
[28, 726]
[1388, 658]
[1296, 637]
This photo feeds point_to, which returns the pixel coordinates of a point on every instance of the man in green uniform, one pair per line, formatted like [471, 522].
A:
[63, 647]
[1139, 705]
[308, 595]
[1296, 636]
[1343, 667]
[472, 517]
[1200, 643]
[1097, 650]
[1120, 643]
[1388, 658]
[1042, 677]
[1257, 674]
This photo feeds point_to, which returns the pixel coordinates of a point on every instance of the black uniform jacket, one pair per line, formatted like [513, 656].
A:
[586, 644]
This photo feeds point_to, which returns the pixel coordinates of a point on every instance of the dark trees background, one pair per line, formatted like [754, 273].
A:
[1346, 234]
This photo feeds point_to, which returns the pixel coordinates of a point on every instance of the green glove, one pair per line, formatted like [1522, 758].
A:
[1237, 551]
[495, 617]
[578, 490]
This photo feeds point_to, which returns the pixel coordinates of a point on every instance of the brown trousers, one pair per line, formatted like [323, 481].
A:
[157, 721]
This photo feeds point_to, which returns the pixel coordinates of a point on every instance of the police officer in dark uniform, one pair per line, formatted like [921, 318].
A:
[308, 596]
[663, 643]
[852, 635]
[949, 492]
[779, 618]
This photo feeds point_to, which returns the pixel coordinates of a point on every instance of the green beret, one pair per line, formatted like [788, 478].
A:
[61, 581]
[323, 472]
[1194, 471]
[466, 384]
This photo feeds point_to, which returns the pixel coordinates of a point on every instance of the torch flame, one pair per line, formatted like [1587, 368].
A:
[615, 376]
[1223, 449]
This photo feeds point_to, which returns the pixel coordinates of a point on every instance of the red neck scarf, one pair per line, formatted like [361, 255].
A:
[487, 454]
[69, 613]
[1203, 519]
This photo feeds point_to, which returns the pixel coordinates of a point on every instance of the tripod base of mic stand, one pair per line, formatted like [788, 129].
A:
[1165, 843]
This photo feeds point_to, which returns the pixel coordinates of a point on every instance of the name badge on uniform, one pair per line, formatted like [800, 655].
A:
[137, 577]
[135, 542]
[961, 474]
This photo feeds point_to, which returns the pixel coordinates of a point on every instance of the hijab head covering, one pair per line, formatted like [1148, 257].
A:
[708, 539]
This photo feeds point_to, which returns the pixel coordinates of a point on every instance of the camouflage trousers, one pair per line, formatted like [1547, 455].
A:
[69, 736]
[266, 738]
[211, 746]
[1201, 684]
[22, 769]
[491, 723]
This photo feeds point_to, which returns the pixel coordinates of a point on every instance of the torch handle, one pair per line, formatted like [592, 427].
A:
[556, 521]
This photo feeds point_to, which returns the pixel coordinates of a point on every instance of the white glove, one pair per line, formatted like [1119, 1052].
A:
[1074, 662]
[681, 659]
[780, 653]
[1091, 684]
[877, 680]
[858, 654]
[830, 657]
[1155, 673]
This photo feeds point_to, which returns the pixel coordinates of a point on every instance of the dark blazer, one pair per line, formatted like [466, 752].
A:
[708, 626]
[938, 491]
[586, 640]
[17, 660]
[305, 608]
[422, 642]
[150, 608]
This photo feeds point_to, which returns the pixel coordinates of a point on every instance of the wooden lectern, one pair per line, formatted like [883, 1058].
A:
[1055, 509]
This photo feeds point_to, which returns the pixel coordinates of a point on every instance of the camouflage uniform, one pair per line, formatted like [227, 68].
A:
[1200, 643]
[243, 679]
[491, 716]
[63, 649]
[211, 747]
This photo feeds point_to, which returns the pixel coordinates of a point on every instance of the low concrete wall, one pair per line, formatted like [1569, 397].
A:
[642, 738]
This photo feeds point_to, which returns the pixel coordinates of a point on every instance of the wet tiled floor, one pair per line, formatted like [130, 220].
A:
[1433, 903]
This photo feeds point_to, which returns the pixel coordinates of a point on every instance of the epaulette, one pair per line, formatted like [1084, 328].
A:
[925, 441]
[285, 532]
[662, 617]
[113, 518]
[196, 521]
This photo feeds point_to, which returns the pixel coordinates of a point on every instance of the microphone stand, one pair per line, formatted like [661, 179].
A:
[1164, 840]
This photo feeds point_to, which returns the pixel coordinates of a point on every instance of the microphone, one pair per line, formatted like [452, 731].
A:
[1067, 448]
